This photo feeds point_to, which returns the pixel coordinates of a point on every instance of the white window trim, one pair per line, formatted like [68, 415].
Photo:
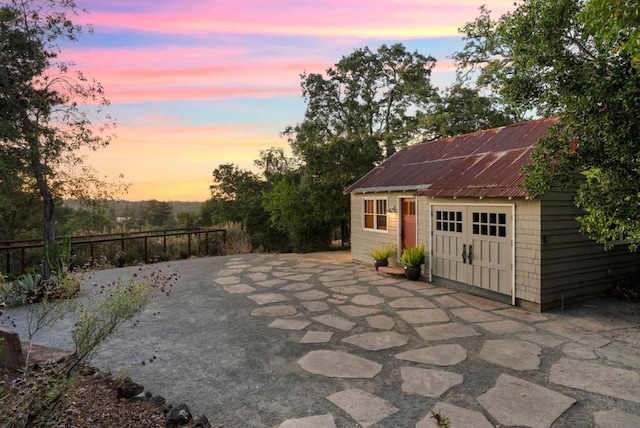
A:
[375, 214]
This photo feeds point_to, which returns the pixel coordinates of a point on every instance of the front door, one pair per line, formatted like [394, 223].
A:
[472, 245]
[408, 212]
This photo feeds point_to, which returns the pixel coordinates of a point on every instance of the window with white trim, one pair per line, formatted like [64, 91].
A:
[375, 213]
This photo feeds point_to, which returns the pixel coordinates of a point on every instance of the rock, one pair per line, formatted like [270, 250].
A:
[127, 388]
[178, 415]
[158, 400]
[201, 421]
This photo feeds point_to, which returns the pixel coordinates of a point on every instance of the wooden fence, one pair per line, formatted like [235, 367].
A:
[16, 250]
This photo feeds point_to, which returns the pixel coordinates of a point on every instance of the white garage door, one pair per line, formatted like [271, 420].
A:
[472, 245]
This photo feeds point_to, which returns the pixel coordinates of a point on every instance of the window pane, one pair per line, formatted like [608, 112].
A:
[382, 222]
[502, 218]
[493, 231]
[483, 229]
[483, 218]
[438, 225]
[493, 218]
[445, 215]
[476, 217]
[439, 215]
[502, 231]
[368, 206]
[459, 216]
[459, 227]
[368, 221]
[476, 229]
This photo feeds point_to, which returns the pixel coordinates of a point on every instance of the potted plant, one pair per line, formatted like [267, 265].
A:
[381, 255]
[412, 258]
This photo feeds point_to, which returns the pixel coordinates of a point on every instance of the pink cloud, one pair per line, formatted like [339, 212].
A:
[336, 18]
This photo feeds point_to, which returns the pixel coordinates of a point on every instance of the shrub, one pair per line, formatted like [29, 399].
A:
[413, 256]
[383, 253]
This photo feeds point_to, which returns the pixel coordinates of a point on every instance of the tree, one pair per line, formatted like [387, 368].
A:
[157, 214]
[237, 196]
[359, 112]
[552, 57]
[462, 109]
[47, 108]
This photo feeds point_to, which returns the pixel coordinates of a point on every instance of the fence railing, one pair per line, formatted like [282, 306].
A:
[12, 252]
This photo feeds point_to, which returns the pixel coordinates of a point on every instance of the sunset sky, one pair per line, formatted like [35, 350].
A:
[194, 84]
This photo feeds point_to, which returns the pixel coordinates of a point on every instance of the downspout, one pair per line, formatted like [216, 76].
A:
[513, 255]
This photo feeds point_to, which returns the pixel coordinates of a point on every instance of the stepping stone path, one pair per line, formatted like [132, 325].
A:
[378, 343]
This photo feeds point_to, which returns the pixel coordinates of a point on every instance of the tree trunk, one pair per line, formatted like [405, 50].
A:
[49, 222]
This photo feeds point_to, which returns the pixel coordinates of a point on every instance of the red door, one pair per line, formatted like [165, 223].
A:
[408, 212]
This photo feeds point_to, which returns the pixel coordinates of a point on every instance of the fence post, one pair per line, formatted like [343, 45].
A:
[206, 243]
[145, 249]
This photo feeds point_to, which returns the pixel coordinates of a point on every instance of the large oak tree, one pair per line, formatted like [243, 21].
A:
[554, 58]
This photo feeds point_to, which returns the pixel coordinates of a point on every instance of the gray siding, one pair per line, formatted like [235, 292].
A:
[573, 267]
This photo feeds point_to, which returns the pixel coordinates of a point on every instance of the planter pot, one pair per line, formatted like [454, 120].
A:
[379, 263]
[412, 273]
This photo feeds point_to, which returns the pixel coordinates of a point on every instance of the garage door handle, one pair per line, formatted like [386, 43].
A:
[470, 254]
[464, 253]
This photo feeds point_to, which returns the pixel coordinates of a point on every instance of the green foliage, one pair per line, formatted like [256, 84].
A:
[157, 214]
[34, 399]
[48, 110]
[412, 256]
[556, 57]
[383, 253]
[462, 110]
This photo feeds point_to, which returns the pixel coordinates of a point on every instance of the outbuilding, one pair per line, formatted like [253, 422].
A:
[463, 198]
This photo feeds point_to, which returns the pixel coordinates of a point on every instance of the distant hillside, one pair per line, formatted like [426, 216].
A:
[121, 208]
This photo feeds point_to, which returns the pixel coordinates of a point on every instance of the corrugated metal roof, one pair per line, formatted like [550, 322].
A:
[481, 164]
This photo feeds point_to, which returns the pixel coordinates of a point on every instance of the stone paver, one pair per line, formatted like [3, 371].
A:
[227, 280]
[521, 315]
[441, 355]
[424, 316]
[542, 339]
[622, 353]
[474, 315]
[316, 337]
[481, 302]
[458, 417]
[428, 382]
[574, 350]
[270, 283]
[514, 401]
[258, 276]
[367, 300]
[377, 341]
[616, 419]
[274, 311]
[449, 301]
[350, 289]
[411, 303]
[381, 322]
[298, 286]
[592, 377]
[266, 298]
[289, 324]
[436, 291]
[339, 364]
[513, 354]
[357, 311]
[238, 288]
[575, 333]
[315, 306]
[319, 421]
[365, 408]
[393, 292]
[311, 295]
[505, 327]
[335, 322]
[447, 331]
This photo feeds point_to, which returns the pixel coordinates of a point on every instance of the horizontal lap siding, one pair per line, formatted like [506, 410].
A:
[363, 241]
[573, 266]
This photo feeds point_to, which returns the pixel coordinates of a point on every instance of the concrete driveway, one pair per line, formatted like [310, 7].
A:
[317, 341]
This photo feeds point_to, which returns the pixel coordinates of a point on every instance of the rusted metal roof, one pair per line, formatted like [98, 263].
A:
[481, 164]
